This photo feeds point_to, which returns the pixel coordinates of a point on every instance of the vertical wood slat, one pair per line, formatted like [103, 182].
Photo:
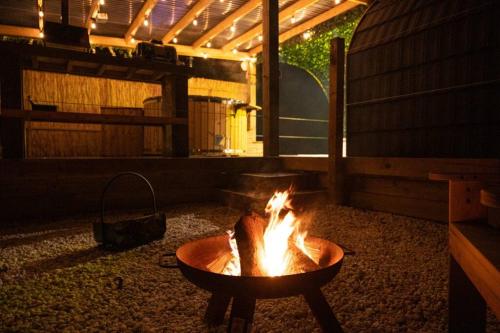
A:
[336, 120]
[270, 77]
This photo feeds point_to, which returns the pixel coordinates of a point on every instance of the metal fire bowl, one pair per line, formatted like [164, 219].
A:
[193, 258]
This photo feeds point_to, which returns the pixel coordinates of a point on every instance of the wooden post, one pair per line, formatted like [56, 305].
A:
[336, 121]
[175, 100]
[467, 308]
[270, 77]
[167, 109]
[12, 137]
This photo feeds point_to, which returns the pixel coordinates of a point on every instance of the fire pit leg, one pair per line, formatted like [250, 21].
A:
[216, 310]
[242, 313]
[322, 311]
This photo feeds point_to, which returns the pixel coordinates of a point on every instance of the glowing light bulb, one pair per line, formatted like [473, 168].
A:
[205, 55]
[41, 34]
[40, 13]
[209, 44]
[146, 22]
[306, 35]
[102, 2]
[293, 20]
[93, 25]
[260, 38]
[132, 40]
[338, 2]
[195, 22]
[233, 28]
[235, 51]
[174, 40]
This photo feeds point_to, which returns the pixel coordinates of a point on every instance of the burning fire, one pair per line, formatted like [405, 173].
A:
[283, 231]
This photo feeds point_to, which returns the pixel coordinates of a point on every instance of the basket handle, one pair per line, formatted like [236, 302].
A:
[119, 175]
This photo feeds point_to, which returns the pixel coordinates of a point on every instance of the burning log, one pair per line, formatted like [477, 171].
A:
[249, 235]
[300, 262]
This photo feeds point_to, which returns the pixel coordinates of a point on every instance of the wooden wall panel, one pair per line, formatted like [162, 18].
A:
[50, 188]
[423, 80]
[120, 140]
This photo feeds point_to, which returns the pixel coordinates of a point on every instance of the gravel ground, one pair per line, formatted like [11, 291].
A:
[54, 279]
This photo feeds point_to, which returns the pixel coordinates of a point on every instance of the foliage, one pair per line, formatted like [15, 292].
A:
[314, 54]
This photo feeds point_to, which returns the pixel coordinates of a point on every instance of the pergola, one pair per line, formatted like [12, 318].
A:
[221, 29]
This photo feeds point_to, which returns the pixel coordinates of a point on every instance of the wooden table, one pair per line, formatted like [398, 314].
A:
[474, 275]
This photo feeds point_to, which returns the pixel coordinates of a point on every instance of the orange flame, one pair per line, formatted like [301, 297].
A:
[275, 257]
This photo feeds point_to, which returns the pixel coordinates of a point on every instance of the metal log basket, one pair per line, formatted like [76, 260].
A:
[130, 232]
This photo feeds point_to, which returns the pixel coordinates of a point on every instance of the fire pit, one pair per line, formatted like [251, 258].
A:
[210, 264]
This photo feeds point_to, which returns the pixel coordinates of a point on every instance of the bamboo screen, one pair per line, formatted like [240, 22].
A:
[72, 93]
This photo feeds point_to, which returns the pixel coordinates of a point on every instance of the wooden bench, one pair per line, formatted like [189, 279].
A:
[474, 247]
[464, 194]
[474, 275]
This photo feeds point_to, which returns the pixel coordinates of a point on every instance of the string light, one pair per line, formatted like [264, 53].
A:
[93, 25]
[235, 51]
[293, 19]
[209, 44]
[307, 35]
[132, 40]
[40, 13]
[337, 2]
[233, 28]
[41, 34]
[102, 2]
[205, 55]
[195, 22]
[174, 40]
[260, 38]
[146, 22]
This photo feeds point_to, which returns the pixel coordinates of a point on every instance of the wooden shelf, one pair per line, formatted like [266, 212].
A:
[96, 65]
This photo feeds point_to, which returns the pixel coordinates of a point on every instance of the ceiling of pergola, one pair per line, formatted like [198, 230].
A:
[166, 14]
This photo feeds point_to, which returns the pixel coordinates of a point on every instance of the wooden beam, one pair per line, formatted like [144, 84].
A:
[285, 14]
[193, 13]
[12, 30]
[144, 12]
[181, 49]
[325, 16]
[227, 22]
[40, 18]
[270, 77]
[336, 121]
[91, 118]
[94, 8]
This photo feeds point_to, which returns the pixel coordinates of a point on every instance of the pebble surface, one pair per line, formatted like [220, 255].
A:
[53, 278]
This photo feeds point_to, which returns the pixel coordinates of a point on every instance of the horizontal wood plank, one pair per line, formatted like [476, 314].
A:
[418, 167]
[401, 187]
[425, 209]
[91, 118]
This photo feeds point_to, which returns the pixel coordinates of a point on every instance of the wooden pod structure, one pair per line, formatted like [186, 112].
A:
[423, 80]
